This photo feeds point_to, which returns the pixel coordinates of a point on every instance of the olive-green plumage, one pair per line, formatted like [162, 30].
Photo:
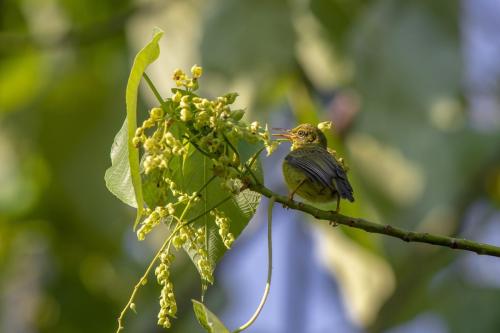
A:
[311, 171]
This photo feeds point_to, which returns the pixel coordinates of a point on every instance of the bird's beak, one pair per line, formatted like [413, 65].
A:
[285, 133]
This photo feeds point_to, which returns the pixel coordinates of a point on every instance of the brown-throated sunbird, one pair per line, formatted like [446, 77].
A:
[311, 170]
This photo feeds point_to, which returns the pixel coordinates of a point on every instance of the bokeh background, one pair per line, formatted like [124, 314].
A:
[413, 88]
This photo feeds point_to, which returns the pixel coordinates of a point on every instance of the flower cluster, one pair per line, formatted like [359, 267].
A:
[183, 125]
[223, 223]
[193, 240]
[210, 126]
[168, 306]
[182, 80]
[161, 146]
[153, 219]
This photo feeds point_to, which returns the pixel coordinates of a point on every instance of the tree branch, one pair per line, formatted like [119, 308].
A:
[407, 236]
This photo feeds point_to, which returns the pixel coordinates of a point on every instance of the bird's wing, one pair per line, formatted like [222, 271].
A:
[322, 167]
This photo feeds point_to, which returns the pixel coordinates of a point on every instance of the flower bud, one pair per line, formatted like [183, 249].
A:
[177, 97]
[197, 71]
[237, 114]
[156, 113]
[186, 115]
[325, 126]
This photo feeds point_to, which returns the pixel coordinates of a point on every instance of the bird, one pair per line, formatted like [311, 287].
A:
[311, 170]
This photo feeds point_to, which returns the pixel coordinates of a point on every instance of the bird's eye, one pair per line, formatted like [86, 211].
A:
[301, 133]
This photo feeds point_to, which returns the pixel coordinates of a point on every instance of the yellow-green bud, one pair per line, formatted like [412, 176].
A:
[148, 123]
[254, 126]
[197, 71]
[178, 75]
[325, 126]
[177, 97]
[170, 209]
[186, 115]
[136, 141]
[184, 100]
[156, 113]
[149, 144]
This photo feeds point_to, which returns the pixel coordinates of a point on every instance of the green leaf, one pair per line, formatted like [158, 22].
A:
[207, 319]
[120, 176]
[117, 177]
[196, 170]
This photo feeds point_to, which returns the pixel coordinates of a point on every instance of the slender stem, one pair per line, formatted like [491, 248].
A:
[212, 156]
[255, 156]
[248, 168]
[204, 286]
[269, 267]
[144, 277]
[142, 281]
[153, 89]
[407, 236]
[230, 145]
[206, 183]
[209, 210]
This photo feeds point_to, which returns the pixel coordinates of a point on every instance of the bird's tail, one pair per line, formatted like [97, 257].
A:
[345, 189]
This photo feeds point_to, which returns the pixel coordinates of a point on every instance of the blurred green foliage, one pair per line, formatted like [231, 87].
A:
[68, 256]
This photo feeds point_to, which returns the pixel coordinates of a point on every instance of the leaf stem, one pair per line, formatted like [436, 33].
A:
[238, 154]
[142, 281]
[209, 210]
[206, 183]
[269, 267]
[153, 89]
[195, 145]
[252, 161]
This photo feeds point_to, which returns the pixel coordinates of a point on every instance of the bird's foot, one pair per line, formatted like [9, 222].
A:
[333, 223]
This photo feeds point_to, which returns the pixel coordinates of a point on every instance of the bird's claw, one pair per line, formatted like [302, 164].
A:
[333, 223]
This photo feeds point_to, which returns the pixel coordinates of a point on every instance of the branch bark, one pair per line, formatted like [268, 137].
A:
[407, 236]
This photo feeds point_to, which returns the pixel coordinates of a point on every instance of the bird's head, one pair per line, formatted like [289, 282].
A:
[304, 135]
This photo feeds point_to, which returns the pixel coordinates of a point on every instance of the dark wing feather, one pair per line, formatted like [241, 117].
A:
[321, 166]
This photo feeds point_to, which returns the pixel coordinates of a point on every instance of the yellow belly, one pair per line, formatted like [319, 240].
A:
[310, 190]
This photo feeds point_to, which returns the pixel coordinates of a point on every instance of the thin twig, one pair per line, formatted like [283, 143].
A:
[407, 236]
[269, 268]
[143, 279]
[209, 210]
[153, 89]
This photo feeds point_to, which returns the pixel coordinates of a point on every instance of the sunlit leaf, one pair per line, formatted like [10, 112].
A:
[195, 172]
[207, 319]
[118, 176]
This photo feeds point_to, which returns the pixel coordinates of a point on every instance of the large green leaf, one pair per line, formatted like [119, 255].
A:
[119, 177]
[195, 171]
[207, 319]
